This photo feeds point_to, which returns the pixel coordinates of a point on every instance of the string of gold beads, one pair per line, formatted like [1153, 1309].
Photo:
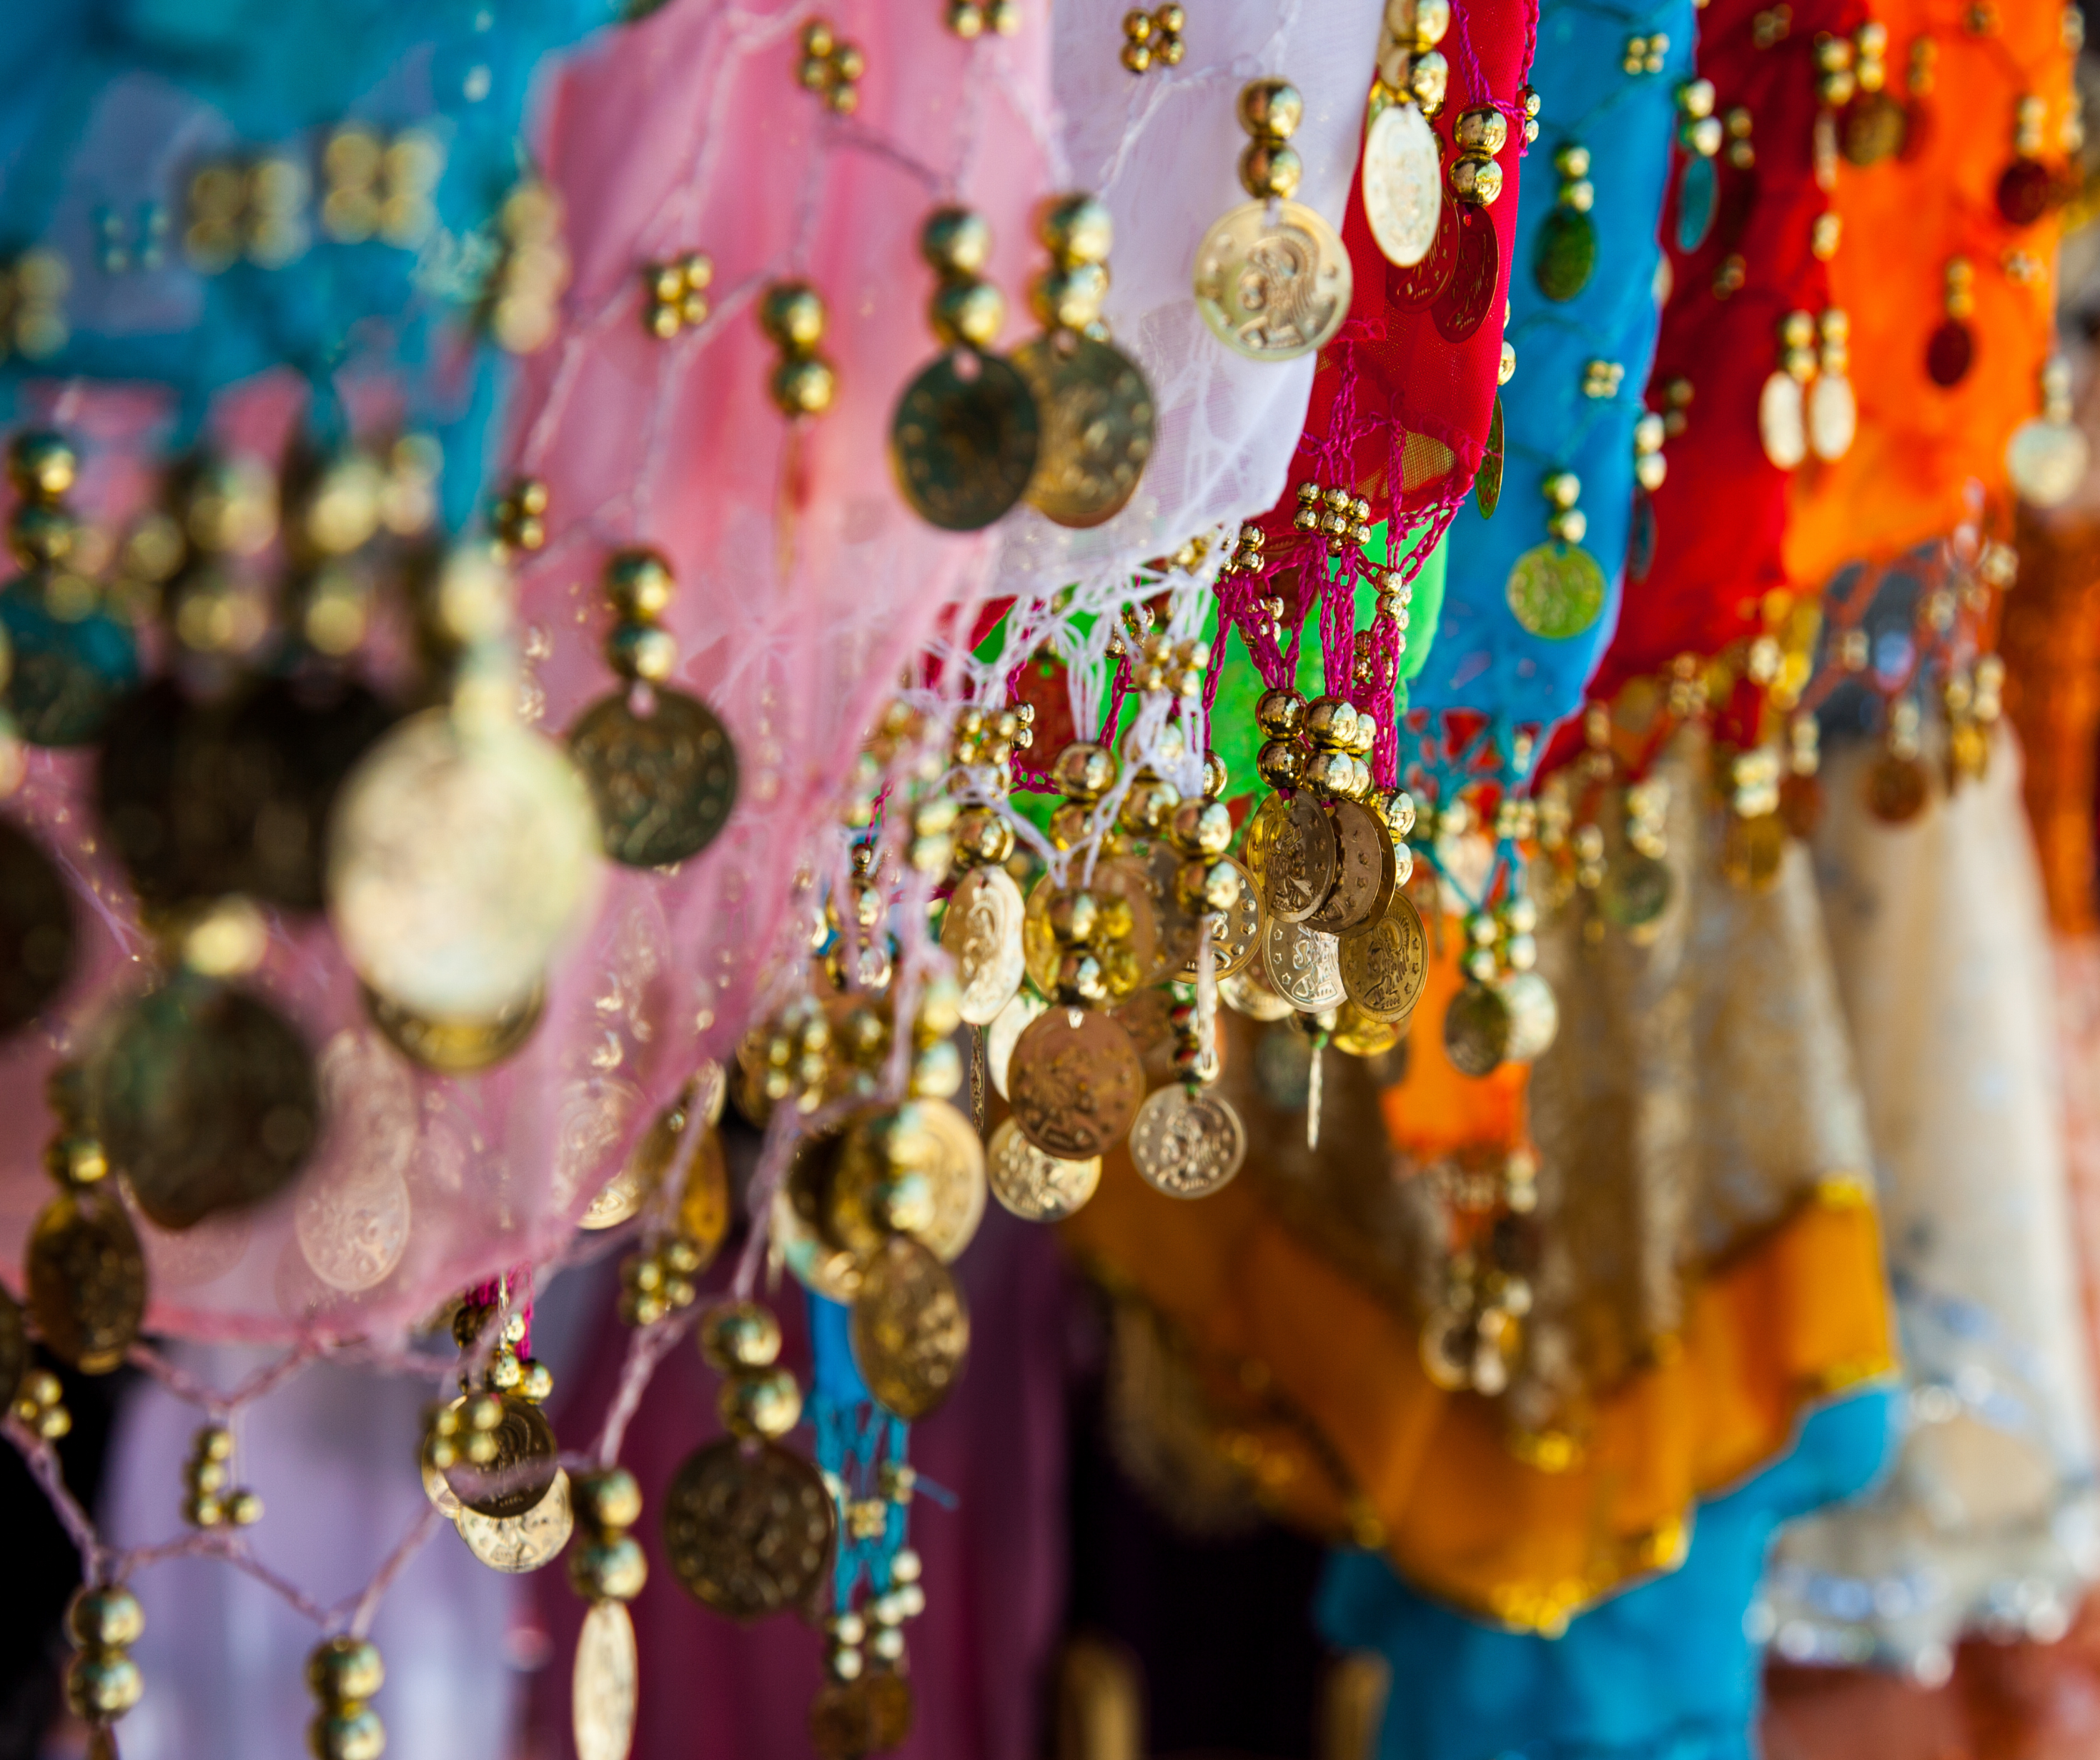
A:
[793, 315]
[760, 1399]
[676, 294]
[831, 68]
[606, 1562]
[213, 1500]
[345, 1674]
[101, 1681]
[519, 517]
[1153, 36]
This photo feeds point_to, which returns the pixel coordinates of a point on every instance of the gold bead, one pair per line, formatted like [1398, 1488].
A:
[1201, 828]
[1075, 918]
[1271, 109]
[1281, 713]
[1085, 771]
[612, 1570]
[740, 1335]
[764, 1403]
[956, 241]
[342, 1671]
[42, 467]
[1216, 776]
[638, 583]
[105, 1619]
[1080, 978]
[1207, 885]
[606, 1500]
[792, 313]
[804, 386]
[1477, 181]
[1138, 27]
[101, 1685]
[966, 18]
[1075, 229]
[1136, 57]
[967, 312]
[357, 1735]
[1281, 764]
[1485, 130]
[1269, 168]
[1069, 296]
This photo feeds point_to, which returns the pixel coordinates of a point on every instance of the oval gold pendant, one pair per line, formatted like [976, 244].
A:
[911, 1330]
[664, 783]
[1403, 184]
[965, 439]
[1834, 416]
[1556, 590]
[1185, 1145]
[1035, 1186]
[87, 1279]
[603, 1689]
[1272, 290]
[1783, 421]
[1386, 963]
[981, 932]
[1097, 416]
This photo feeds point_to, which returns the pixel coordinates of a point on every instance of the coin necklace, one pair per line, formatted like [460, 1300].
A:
[1402, 174]
[1096, 409]
[967, 434]
[1272, 281]
[86, 1277]
[661, 768]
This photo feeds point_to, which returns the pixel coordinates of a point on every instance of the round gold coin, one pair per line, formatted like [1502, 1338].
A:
[1385, 964]
[1075, 1082]
[664, 783]
[1752, 851]
[1636, 892]
[1402, 183]
[525, 1465]
[1187, 1145]
[1035, 1186]
[1005, 1032]
[964, 440]
[911, 1330]
[841, 1723]
[1302, 861]
[829, 1270]
[1366, 871]
[1556, 590]
[352, 1226]
[748, 1528]
[1897, 788]
[1096, 412]
[87, 1279]
[891, 1708]
[515, 1544]
[919, 1166]
[1477, 1029]
[1235, 934]
[1263, 828]
[604, 1687]
[981, 932]
[1249, 991]
[1273, 289]
[956, 1172]
[1360, 1035]
[1304, 965]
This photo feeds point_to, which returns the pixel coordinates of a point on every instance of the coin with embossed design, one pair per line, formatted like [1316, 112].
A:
[1235, 934]
[1366, 872]
[1264, 828]
[1477, 1029]
[748, 1528]
[1097, 415]
[1403, 184]
[1075, 1082]
[515, 1544]
[87, 1279]
[981, 932]
[1035, 1186]
[1187, 1145]
[1462, 306]
[1301, 861]
[1249, 990]
[1273, 289]
[603, 1687]
[664, 783]
[1556, 590]
[964, 440]
[1421, 284]
[524, 1466]
[1004, 1033]
[1304, 965]
[1385, 964]
[911, 1330]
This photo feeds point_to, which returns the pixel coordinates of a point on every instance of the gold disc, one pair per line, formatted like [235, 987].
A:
[1249, 990]
[525, 1466]
[1273, 291]
[1185, 1145]
[1097, 411]
[1236, 936]
[964, 440]
[1556, 590]
[1402, 183]
[1263, 830]
[925, 1142]
[1385, 964]
[831, 1271]
[1360, 1035]
[515, 1544]
[1117, 876]
[664, 784]
[1075, 1082]
[1304, 965]
[1477, 1029]
[1301, 861]
[981, 932]
[459, 1047]
[911, 1330]
[1366, 871]
[841, 1726]
[1005, 1032]
[1035, 1186]
[87, 1279]
[748, 1528]
[892, 1709]
[606, 1684]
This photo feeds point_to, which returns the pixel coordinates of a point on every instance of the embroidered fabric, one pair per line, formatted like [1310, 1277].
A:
[1561, 411]
[1700, 1087]
[1990, 1520]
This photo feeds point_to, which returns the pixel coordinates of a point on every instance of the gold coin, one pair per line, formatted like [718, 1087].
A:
[1117, 876]
[1556, 590]
[1753, 850]
[911, 1330]
[1187, 1145]
[515, 1544]
[1249, 990]
[1273, 291]
[748, 1528]
[87, 1279]
[1096, 412]
[1636, 892]
[841, 1726]
[14, 1347]
[1263, 830]
[605, 1686]
[2047, 460]
[1075, 1082]
[1385, 964]
[1302, 861]
[1477, 1029]
[1304, 965]
[1366, 871]
[891, 1708]
[1174, 928]
[1402, 183]
[831, 1271]
[664, 783]
[525, 1466]
[1235, 935]
[1897, 789]
[981, 932]
[352, 1226]
[1359, 1035]
[703, 1205]
[1005, 1031]
[957, 1174]
[1534, 1016]
[456, 1046]
[964, 440]
[1035, 1186]
[1488, 479]
[919, 1167]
